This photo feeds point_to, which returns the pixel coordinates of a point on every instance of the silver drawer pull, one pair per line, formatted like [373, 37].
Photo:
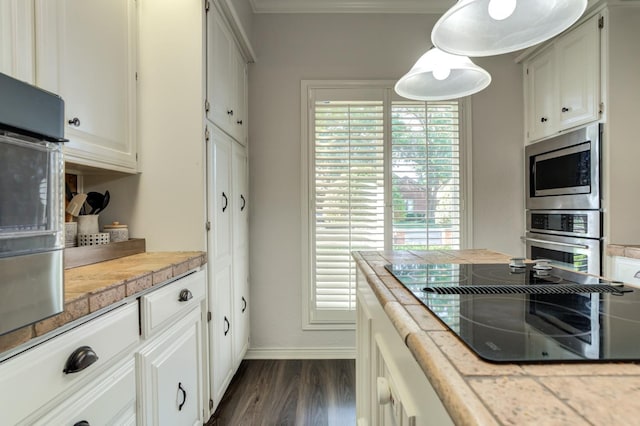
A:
[555, 243]
[185, 295]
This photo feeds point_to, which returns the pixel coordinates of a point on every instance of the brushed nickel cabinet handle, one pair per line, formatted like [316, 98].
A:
[185, 295]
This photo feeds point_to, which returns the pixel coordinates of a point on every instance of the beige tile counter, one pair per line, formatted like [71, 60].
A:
[476, 392]
[624, 250]
[93, 287]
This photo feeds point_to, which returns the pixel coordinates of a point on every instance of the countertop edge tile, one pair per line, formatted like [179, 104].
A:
[461, 402]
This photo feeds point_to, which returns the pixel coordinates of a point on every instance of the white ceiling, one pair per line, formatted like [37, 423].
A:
[351, 6]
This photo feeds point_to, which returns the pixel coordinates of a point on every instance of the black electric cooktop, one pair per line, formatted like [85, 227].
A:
[529, 314]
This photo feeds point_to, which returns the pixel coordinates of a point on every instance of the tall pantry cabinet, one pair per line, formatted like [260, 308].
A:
[228, 201]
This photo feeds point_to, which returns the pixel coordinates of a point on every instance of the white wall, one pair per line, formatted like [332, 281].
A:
[498, 158]
[291, 48]
[166, 202]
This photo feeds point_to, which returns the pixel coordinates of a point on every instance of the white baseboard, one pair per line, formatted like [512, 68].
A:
[301, 353]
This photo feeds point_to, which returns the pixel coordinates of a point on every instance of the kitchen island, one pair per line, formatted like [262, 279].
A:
[475, 392]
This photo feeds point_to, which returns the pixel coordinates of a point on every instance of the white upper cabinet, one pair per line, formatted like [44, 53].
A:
[541, 95]
[578, 60]
[226, 79]
[86, 52]
[562, 83]
[17, 39]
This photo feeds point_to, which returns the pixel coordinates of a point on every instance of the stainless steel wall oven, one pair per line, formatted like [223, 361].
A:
[563, 200]
[31, 204]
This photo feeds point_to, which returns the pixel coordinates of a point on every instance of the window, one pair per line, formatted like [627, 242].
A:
[378, 173]
[425, 175]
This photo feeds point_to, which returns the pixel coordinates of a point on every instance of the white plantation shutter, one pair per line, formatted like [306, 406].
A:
[348, 187]
[365, 158]
[425, 175]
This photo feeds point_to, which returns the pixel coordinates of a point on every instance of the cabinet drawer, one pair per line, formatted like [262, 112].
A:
[109, 400]
[626, 270]
[169, 302]
[35, 377]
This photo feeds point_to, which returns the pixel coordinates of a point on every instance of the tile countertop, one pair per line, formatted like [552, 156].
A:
[88, 289]
[624, 250]
[476, 392]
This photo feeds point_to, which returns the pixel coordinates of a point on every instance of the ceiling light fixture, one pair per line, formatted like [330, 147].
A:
[492, 27]
[439, 76]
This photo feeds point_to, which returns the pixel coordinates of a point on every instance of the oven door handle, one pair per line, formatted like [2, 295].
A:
[536, 240]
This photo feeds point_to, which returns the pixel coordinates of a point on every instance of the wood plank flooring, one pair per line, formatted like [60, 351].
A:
[289, 392]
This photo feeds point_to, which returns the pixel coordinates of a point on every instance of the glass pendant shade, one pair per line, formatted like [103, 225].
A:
[492, 27]
[439, 76]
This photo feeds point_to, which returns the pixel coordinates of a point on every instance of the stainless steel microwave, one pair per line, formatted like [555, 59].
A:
[564, 172]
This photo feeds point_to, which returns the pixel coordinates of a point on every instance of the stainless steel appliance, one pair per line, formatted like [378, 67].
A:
[529, 314]
[569, 238]
[564, 172]
[563, 200]
[31, 204]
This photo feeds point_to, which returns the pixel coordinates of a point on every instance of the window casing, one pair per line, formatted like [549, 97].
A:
[362, 192]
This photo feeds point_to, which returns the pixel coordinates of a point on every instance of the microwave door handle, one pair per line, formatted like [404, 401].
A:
[536, 240]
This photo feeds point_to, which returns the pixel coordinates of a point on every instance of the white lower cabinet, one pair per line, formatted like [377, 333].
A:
[111, 400]
[66, 366]
[103, 373]
[627, 270]
[170, 371]
[170, 364]
[391, 388]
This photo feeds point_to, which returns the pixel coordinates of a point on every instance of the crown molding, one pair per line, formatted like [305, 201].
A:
[351, 6]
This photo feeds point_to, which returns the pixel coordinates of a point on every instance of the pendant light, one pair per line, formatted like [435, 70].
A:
[493, 27]
[441, 76]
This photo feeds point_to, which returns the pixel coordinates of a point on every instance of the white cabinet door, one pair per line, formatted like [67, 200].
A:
[541, 95]
[627, 270]
[239, 118]
[219, 92]
[171, 374]
[226, 78]
[221, 333]
[240, 253]
[562, 83]
[222, 203]
[578, 56]
[17, 39]
[363, 356]
[86, 52]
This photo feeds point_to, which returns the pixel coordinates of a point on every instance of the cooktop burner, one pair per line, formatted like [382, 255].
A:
[530, 313]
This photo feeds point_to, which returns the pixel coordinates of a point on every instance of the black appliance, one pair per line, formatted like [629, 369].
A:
[529, 314]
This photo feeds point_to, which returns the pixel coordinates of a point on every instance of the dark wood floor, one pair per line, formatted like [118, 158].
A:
[289, 392]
